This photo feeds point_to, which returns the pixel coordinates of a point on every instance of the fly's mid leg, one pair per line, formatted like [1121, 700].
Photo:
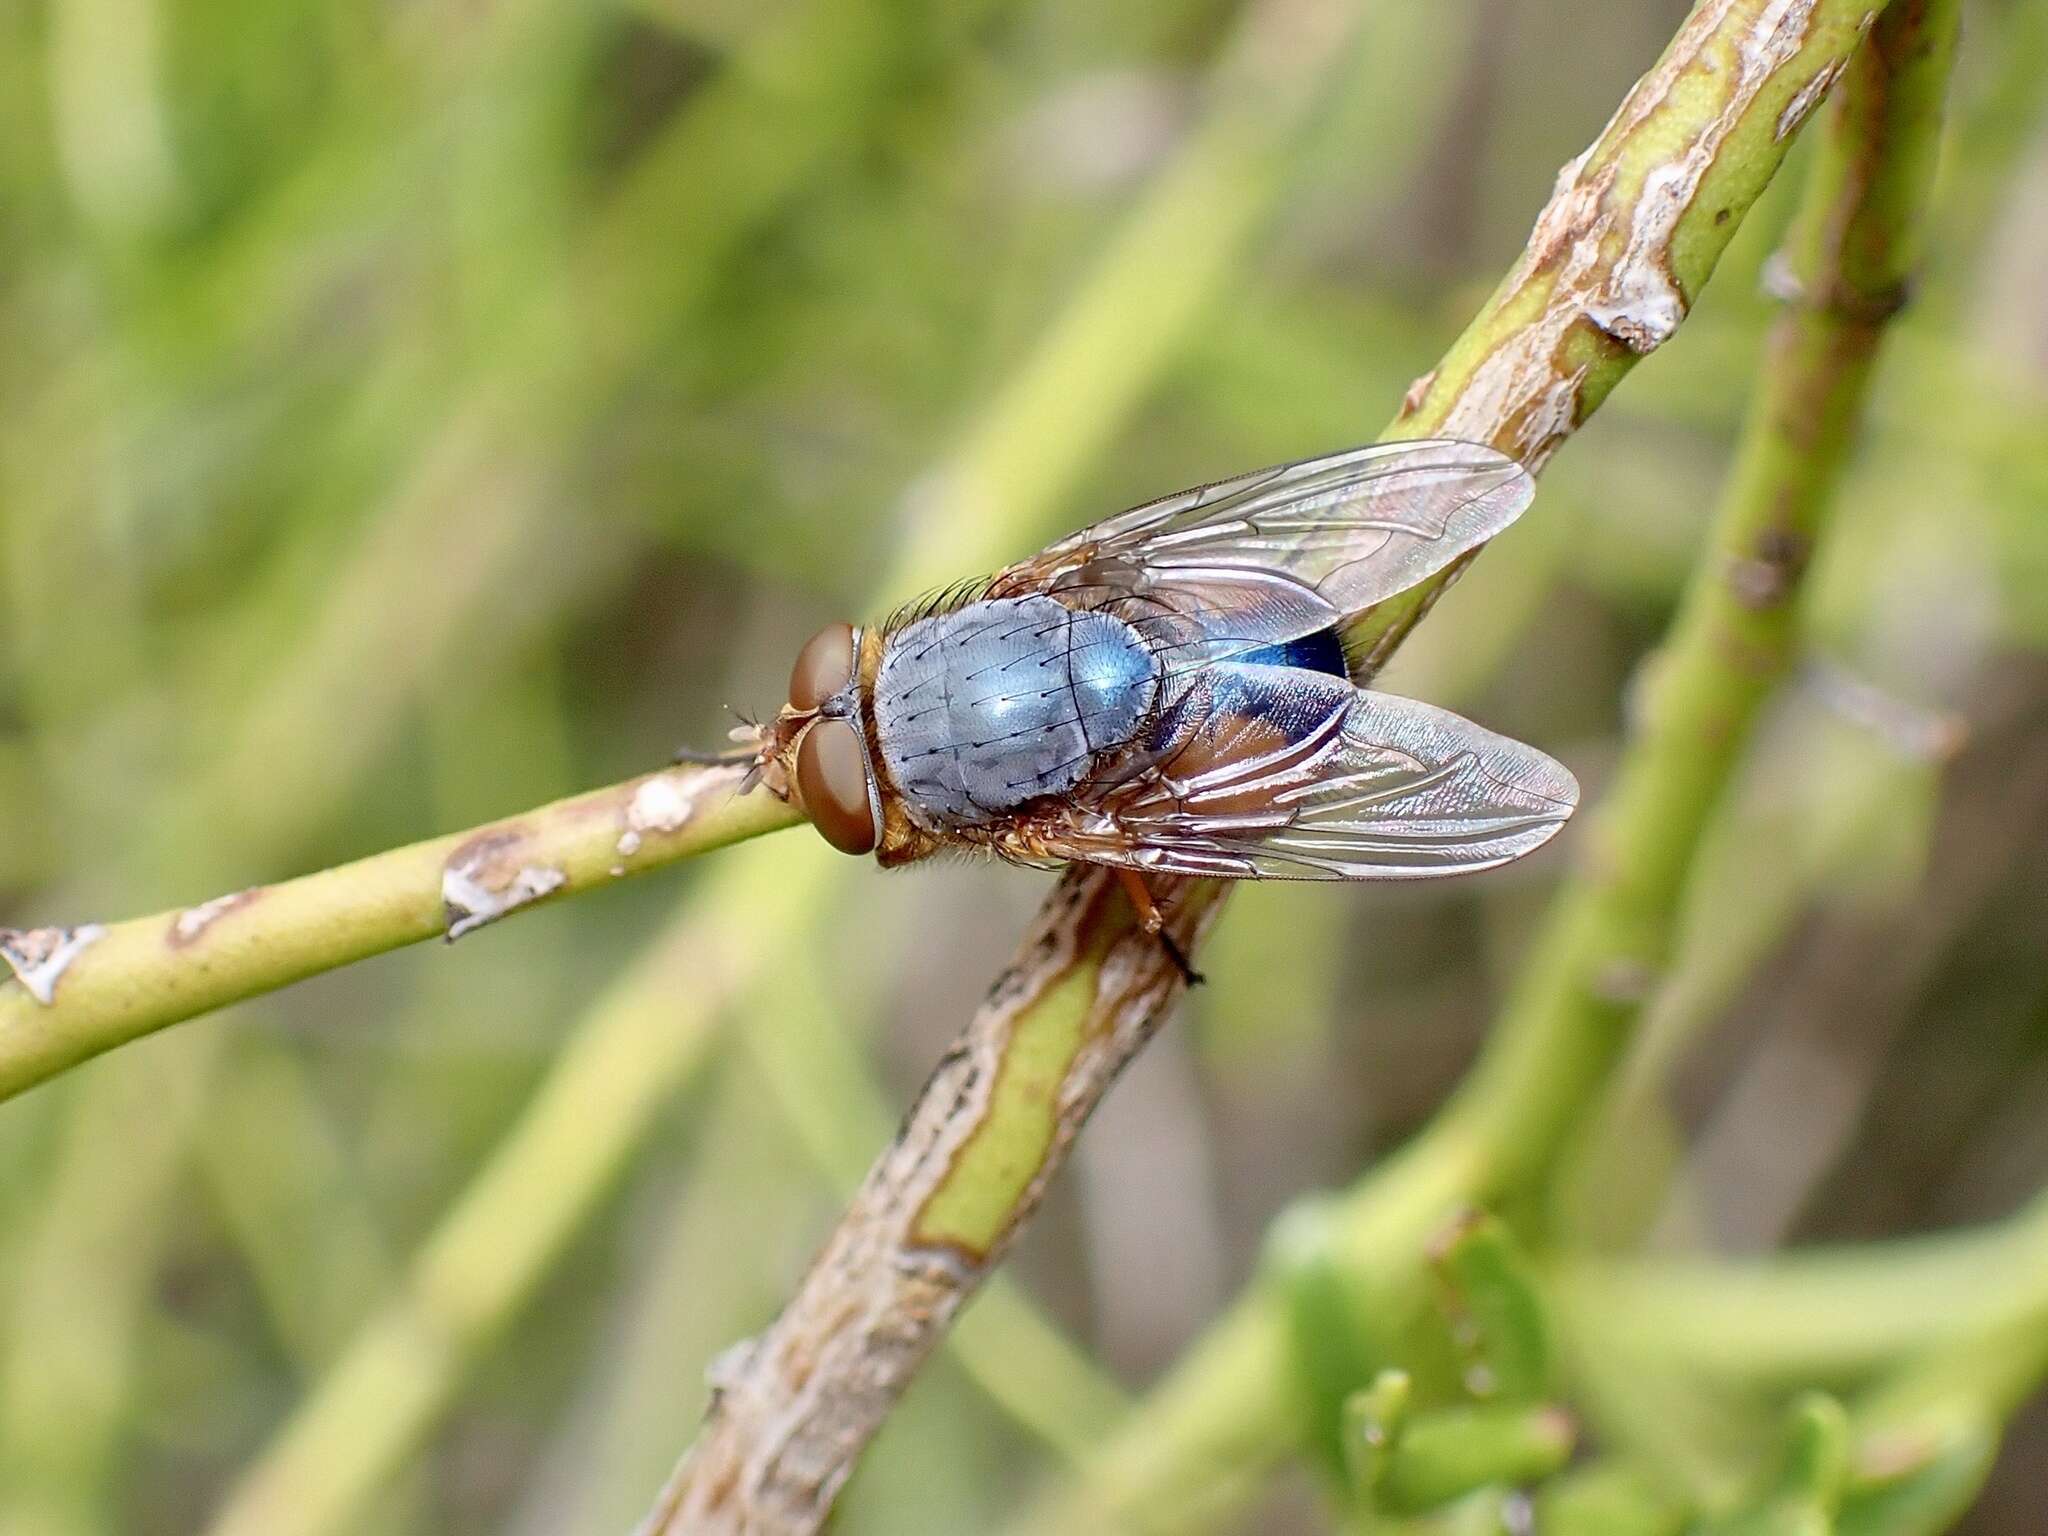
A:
[1153, 921]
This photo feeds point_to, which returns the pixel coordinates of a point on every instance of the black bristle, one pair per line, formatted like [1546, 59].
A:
[945, 599]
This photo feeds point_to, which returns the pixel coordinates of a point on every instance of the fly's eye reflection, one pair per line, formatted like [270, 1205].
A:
[823, 667]
[832, 782]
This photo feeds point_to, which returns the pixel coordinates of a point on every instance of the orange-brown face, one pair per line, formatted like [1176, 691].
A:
[832, 780]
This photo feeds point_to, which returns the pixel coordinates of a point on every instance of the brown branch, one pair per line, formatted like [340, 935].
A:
[792, 1411]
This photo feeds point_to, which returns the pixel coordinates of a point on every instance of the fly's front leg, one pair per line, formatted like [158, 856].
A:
[1153, 921]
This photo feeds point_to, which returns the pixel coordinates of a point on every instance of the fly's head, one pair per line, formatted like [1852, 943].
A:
[815, 751]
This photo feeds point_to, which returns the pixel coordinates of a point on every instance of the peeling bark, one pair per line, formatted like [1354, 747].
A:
[39, 957]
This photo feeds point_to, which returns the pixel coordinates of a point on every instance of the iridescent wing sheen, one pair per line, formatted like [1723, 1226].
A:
[1262, 772]
[1281, 553]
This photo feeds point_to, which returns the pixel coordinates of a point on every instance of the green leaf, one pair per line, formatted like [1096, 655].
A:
[1371, 1427]
[1495, 1315]
[1443, 1456]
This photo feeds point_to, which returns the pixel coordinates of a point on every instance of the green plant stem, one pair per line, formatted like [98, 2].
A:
[1824, 1317]
[1994, 1367]
[1612, 927]
[138, 976]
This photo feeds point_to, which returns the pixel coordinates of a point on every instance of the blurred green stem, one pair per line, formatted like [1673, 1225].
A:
[1611, 929]
[1843, 273]
[1825, 1317]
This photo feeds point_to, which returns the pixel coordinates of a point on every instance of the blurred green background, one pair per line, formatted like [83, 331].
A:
[414, 412]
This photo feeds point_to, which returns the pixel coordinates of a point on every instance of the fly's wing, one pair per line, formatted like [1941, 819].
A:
[1282, 553]
[1282, 774]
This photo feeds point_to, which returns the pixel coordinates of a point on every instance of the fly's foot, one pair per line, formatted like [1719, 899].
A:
[1153, 921]
[1188, 973]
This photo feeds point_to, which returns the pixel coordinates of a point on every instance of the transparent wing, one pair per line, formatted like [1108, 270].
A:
[1282, 553]
[1281, 774]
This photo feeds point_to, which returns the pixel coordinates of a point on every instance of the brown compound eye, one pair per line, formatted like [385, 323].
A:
[832, 782]
[823, 667]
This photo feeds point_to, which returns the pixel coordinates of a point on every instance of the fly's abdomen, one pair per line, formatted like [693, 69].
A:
[981, 710]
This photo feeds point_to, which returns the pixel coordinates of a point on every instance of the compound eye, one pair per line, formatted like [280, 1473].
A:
[832, 782]
[823, 667]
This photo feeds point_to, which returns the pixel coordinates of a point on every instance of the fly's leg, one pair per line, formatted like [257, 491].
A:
[1153, 921]
[1150, 918]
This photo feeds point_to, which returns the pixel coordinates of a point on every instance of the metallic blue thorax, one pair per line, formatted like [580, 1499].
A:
[1001, 702]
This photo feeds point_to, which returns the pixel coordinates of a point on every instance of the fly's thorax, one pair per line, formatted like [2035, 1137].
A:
[903, 840]
[979, 711]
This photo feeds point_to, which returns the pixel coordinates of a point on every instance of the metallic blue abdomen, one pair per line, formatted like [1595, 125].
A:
[1321, 652]
[1000, 702]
